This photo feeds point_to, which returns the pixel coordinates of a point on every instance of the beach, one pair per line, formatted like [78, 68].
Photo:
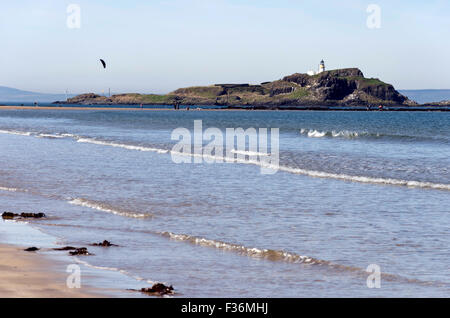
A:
[30, 275]
[49, 272]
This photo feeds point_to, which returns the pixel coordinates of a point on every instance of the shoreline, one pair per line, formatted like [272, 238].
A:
[44, 273]
[255, 108]
[7, 107]
[33, 275]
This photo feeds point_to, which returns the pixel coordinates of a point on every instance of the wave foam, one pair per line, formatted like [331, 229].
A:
[250, 153]
[15, 132]
[10, 189]
[268, 254]
[282, 256]
[343, 133]
[50, 136]
[329, 175]
[363, 179]
[119, 145]
[106, 208]
[38, 134]
[114, 269]
[262, 163]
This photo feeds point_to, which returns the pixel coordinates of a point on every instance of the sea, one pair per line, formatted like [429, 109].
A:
[358, 204]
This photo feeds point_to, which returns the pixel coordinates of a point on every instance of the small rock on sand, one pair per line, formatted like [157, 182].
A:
[105, 243]
[158, 290]
[11, 215]
[80, 251]
[31, 249]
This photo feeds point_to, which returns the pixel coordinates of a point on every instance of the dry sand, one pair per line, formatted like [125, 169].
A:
[29, 274]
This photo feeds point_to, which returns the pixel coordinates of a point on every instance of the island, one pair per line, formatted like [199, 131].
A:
[341, 87]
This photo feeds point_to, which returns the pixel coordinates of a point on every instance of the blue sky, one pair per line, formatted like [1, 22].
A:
[157, 46]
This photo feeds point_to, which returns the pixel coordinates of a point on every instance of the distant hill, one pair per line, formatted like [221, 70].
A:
[423, 96]
[13, 95]
[343, 87]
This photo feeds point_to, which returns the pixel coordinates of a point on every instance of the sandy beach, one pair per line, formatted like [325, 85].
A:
[30, 275]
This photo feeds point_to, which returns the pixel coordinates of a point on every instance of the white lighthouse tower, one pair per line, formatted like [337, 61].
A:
[322, 66]
[321, 69]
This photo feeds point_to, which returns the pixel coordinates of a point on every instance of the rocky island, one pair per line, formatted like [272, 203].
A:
[341, 87]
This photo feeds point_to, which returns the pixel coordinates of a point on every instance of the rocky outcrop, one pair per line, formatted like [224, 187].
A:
[31, 249]
[23, 215]
[80, 251]
[65, 248]
[86, 98]
[105, 243]
[74, 251]
[158, 289]
[346, 86]
[441, 103]
[342, 87]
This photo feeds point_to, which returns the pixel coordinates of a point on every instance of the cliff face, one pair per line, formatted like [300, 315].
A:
[348, 86]
[343, 87]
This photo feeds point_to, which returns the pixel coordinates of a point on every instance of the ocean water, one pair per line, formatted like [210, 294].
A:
[353, 189]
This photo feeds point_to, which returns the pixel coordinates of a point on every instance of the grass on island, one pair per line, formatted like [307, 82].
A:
[200, 91]
[157, 99]
[299, 93]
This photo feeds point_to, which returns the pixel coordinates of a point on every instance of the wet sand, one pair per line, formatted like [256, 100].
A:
[31, 275]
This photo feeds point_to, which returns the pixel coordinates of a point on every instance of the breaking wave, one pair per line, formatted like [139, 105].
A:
[15, 132]
[348, 134]
[38, 134]
[250, 153]
[328, 175]
[119, 145]
[50, 136]
[272, 255]
[343, 133]
[257, 253]
[107, 208]
[363, 179]
[114, 269]
[264, 163]
[283, 256]
[10, 189]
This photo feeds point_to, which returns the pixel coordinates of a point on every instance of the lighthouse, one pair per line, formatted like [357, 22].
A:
[322, 66]
[321, 69]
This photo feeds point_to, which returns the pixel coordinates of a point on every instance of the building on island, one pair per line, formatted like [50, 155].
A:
[322, 66]
[320, 70]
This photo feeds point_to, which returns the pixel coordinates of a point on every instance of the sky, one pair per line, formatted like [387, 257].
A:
[158, 46]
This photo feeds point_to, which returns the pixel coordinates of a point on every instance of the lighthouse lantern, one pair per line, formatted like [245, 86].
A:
[322, 66]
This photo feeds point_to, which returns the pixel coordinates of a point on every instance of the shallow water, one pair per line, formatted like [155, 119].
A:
[353, 189]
